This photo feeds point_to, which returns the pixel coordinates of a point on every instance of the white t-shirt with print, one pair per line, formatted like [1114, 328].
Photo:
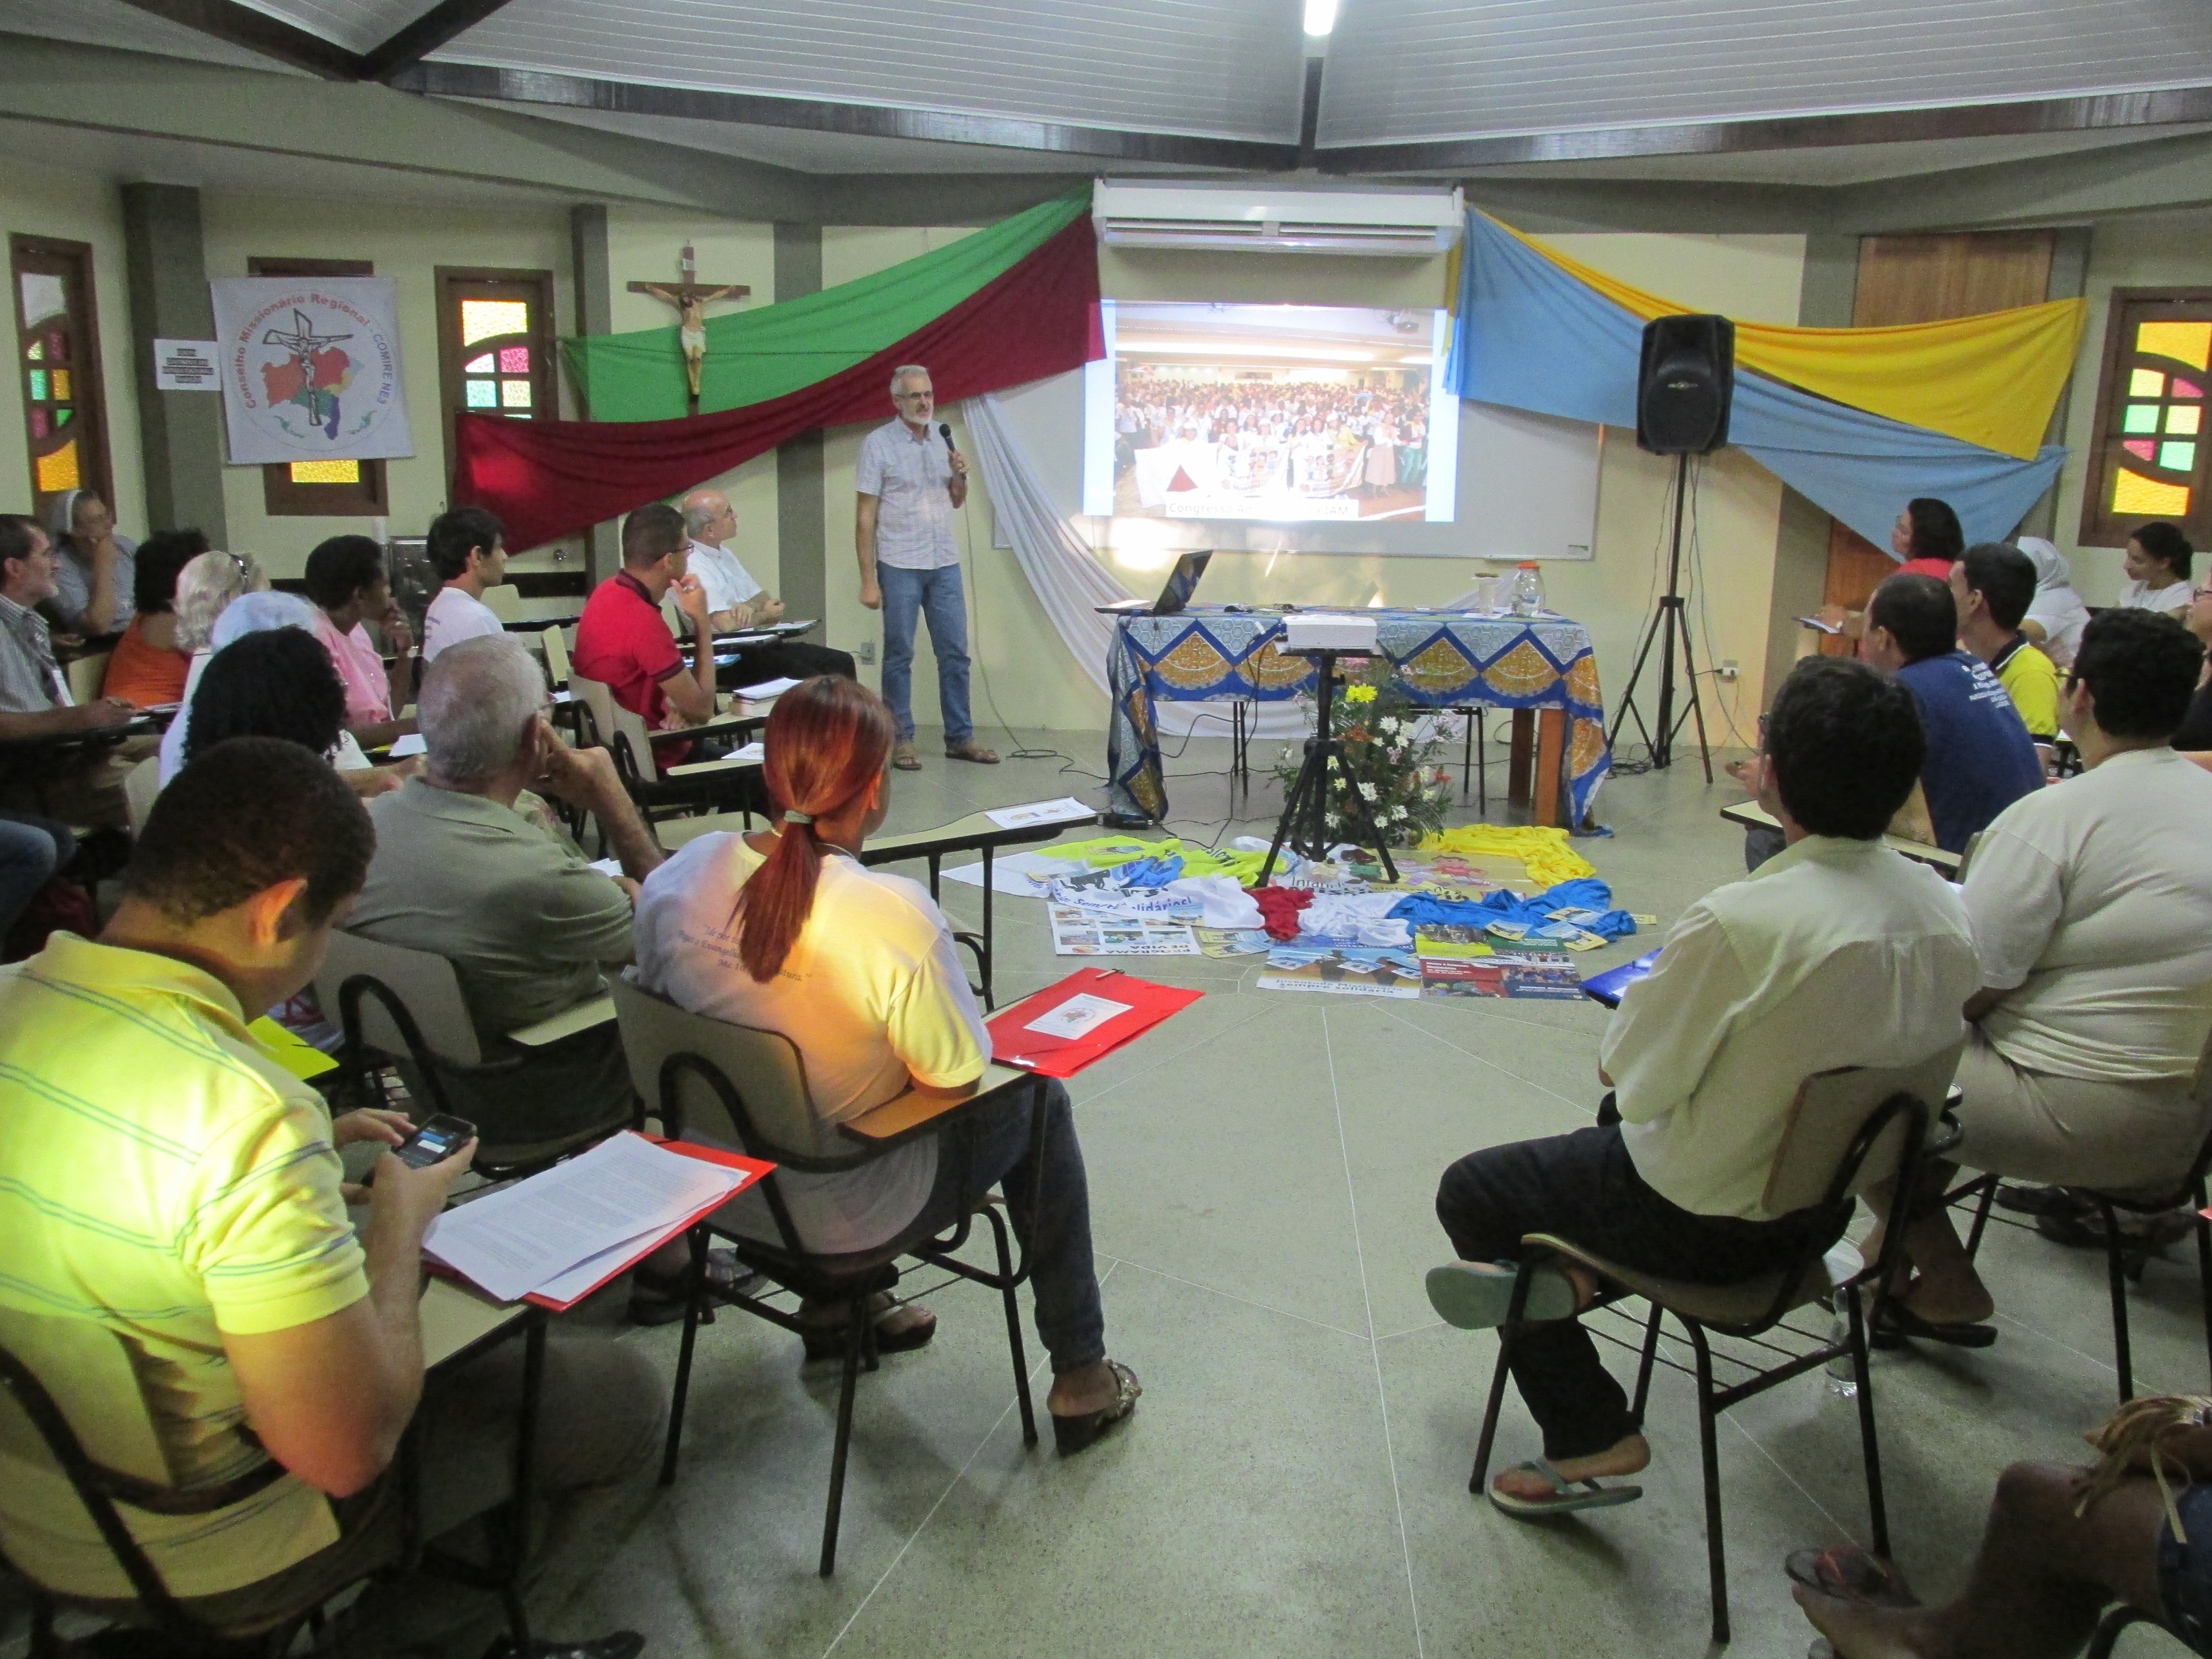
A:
[456, 614]
[873, 995]
[2142, 596]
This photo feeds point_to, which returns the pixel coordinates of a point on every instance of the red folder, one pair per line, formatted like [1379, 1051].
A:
[1058, 1056]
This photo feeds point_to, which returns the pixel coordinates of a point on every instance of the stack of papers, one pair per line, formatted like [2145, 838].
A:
[1066, 810]
[755, 750]
[762, 692]
[560, 1234]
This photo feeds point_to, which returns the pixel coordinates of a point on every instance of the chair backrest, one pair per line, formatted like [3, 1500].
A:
[1831, 1109]
[76, 1360]
[425, 985]
[625, 733]
[86, 675]
[556, 657]
[598, 700]
[142, 787]
[504, 601]
[761, 1067]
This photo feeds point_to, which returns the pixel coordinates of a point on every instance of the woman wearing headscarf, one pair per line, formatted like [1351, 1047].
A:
[2055, 616]
[98, 567]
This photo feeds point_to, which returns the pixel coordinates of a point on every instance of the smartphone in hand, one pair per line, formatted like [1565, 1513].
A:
[436, 1141]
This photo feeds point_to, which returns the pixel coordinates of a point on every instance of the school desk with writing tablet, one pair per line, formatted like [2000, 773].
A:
[907, 1116]
[976, 833]
[1752, 816]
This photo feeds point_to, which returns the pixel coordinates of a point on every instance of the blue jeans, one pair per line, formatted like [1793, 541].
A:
[937, 595]
[31, 850]
[992, 1147]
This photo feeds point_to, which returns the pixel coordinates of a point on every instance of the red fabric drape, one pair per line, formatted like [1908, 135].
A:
[549, 478]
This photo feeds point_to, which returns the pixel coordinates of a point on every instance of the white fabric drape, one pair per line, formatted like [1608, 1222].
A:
[1070, 582]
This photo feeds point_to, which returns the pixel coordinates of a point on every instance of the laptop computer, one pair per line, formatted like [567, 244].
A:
[1173, 598]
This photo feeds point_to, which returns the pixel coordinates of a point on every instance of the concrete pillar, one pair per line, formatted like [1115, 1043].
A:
[593, 280]
[180, 433]
[801, 532]
[2069, 280]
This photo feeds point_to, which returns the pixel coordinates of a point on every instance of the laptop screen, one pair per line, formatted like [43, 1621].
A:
[1176, 594]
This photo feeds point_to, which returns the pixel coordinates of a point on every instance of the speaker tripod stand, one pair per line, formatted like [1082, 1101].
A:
[1304, 821]
[1670, 626]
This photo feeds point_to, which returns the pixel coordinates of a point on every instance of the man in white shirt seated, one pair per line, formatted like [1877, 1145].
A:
[467, 551]
[2092, 906]
[1837, 951]
[735, 602]
[786, 932]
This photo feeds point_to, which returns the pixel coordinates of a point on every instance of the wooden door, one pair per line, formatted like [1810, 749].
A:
[1927, 279]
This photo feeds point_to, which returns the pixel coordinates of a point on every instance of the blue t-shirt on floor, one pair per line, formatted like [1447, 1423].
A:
[1980, 758]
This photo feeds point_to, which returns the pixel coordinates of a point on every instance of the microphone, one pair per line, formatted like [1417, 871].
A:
[944, 431]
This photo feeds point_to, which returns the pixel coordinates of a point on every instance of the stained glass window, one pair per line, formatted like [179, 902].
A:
[2150, 462]
[58, 357]
[326, 472]
[483, 320]
[496, 342]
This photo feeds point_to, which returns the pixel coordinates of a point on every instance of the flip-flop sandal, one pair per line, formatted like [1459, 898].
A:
[1475, 1295]
[1850, 1574]
[1898, 1323]
[1567, 1496]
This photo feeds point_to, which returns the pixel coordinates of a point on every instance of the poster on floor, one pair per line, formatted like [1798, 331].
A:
[1079, 932]
[310, 369]
[1347, 970]
[1542, 976]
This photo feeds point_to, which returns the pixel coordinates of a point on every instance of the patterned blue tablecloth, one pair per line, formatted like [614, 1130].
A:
[1444, 659]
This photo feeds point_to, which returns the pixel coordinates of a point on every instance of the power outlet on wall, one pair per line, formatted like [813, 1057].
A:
[866, 653]
[1729, 671]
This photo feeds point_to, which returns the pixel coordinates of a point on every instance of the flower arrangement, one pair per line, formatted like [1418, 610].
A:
[1393, 764]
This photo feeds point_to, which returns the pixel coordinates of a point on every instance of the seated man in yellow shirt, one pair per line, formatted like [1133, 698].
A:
[164, 1183]
[1993, 585]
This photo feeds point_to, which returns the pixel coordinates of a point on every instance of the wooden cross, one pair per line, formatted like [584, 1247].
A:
[690, 297]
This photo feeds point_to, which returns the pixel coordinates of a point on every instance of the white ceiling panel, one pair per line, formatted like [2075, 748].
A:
[823, 152]
[112, 23]
[1410, 70]
[1227, 69]
[356, 25]
[1843, 164]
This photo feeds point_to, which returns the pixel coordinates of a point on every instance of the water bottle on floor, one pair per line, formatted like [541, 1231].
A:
[1844, 1262]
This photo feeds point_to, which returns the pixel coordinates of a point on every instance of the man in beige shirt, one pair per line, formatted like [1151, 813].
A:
[1836, 952]
[2092, 906]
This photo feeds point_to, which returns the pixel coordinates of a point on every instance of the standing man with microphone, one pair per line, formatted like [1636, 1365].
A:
[902, 530]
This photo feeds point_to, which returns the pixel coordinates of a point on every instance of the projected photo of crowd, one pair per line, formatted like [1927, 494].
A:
[1279, 412]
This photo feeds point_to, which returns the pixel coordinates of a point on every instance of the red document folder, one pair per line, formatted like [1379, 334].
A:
[1148, 1004]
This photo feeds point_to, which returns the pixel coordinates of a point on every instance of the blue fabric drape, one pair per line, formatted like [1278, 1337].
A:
[1531, 336]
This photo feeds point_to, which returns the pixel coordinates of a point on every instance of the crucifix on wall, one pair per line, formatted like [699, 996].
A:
[690, 297]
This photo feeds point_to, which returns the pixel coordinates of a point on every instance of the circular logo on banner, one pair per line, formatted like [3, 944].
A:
[313, 372]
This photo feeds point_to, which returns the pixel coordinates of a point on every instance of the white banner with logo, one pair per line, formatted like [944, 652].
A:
[311, 368]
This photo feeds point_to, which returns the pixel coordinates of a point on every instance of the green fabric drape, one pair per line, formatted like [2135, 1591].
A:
[755, 355]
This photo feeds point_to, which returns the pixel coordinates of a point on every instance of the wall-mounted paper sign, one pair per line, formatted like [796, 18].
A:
[187, 366]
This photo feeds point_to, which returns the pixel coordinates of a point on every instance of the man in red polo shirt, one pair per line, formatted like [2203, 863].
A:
[622, 640]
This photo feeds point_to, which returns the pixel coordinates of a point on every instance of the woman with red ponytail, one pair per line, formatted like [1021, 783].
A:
[785, 931]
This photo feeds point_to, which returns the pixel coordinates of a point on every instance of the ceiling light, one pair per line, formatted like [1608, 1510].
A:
[1320, 17]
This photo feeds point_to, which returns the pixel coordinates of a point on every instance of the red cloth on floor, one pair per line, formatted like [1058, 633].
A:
[548, 478]
[1280, 908]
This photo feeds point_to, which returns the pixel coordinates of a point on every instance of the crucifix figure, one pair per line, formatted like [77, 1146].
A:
[691, 298]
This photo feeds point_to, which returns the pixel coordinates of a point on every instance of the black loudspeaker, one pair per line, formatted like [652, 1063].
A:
[1685, 385]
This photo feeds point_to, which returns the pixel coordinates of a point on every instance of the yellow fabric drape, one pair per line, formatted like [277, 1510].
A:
[1991, 380]
[1544, 850]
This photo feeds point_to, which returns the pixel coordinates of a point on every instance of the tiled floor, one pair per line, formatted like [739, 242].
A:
[1262, 1169]
[1295, 1483]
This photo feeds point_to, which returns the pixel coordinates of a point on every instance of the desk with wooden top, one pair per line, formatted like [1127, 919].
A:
[1752, 816]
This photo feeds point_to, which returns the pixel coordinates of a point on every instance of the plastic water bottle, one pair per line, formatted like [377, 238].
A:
[1844, 1262]
[1527, 590]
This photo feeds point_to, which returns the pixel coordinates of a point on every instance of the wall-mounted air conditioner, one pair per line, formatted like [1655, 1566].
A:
[1410, 222]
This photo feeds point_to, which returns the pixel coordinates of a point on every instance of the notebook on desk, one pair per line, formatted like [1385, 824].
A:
[1173, 598]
